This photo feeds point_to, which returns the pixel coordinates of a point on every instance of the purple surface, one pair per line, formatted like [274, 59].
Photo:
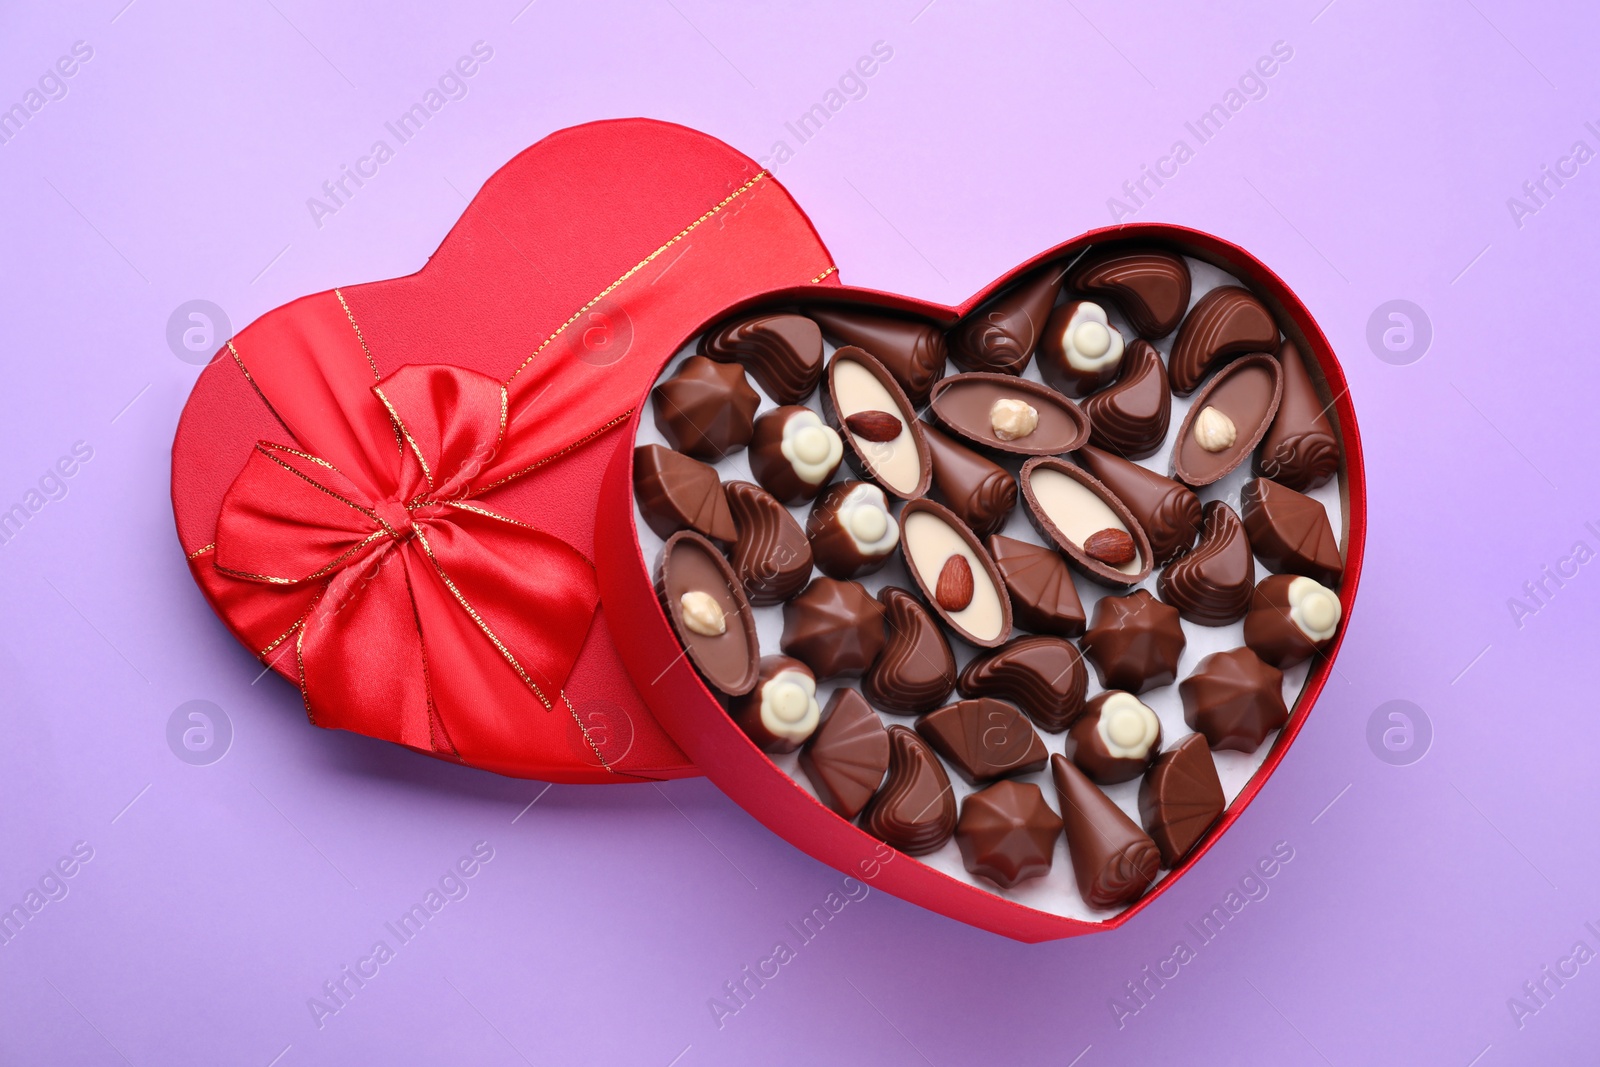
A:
[220, 898]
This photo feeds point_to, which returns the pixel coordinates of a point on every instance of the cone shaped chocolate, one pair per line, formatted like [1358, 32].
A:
[1168, 510]
[847, 757]
[912, 351]
[1180, 797]
[1001, 335]
[1113, 860]
[1300, 450]
[980, 491]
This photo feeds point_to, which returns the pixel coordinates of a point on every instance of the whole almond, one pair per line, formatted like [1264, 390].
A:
[954, 589]
[1111, 547]
[876, 426]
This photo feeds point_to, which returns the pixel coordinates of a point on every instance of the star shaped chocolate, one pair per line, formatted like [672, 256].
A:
[1234, 699]
[1007, 833]
[1134, 642]
[707, 409]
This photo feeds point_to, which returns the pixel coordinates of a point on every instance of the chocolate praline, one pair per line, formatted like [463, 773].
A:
[1226, 420]
[1227, 322]
[1131, 416]
[1000, 413]
[1234, 699]
[980, 492]
[1211, 584]
[1291, 619]
[915, 811]
[709, 611]
[1115, 738]
[1301, 450]
[1180, 798]
[882, 436]
[1043, 596]
[833, 627]
[955, 574]
[1150, 287]
[846, 758]
[782, 352]
[916, 670]
[1001, 335]
[1168, 511]
[1082, 351]
[1113, 860]
[1044, 676]
[706, 409]
[1007, 833]
[1074, 511]
[1290, 532]
[911, 350]
[772, 556]
[851, 531]
[984, 739]
[794, 454]
[781, 711]
[676, 492]
[1134, 642]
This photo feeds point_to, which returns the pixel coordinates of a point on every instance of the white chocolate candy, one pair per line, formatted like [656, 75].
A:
[702, 614]
[811, 446]
[930, 541]
[1314, 608]
[1127, 727]
[789, 706]
[895, 463]
[1214, 431]
[1011, 419]
[1091, 344]
[864, 515]
[1078, 511]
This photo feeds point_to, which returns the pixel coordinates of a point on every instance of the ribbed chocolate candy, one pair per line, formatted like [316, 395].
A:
[1211, 585]
[1227, 322]
[1043, 596]
[847, 756]
[984, 739]
[916, 670]
[676, 493]
[1150, 287]
[1113, 860]
[915, 811]
[783, 353]
[772, 557]
[1130, 417]
[1180, 797]
[1044, 676]
[1001, 335]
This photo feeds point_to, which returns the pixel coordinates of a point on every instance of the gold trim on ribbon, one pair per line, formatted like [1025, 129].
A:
[400, 428]
[202, 550]
[365, 350]
[239, 362]
[824, 274]
[624, 417]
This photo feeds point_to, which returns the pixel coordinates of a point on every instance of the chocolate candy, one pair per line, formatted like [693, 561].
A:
[915, 811]
[1167, 511]
[1234, 699]
[1290, 532]
[676, 493]
[783, 353]
[1082, 351]
[1212, 584]
[915, 671]
[1226, 420]
[1113, 860]
[1043, 596]
[1228, 321]
[708, 609]
[1073, 510]
[851, 530]
[1180, 797]
[1115, 738]
[848, 755]
[706, 409]
[793, 453]
[1150, 288]
[1001, 335]
[833, 627]
[1007, 833]
[1291, 617]
[882, 438]
[912, 351]
[1006, 414]
[1130, 417]
[772, 557]
[1044, 676]
[981, 493]
[984, 739]
[1301, 450]
[1134, 642]
[953, 571]
[781, 711]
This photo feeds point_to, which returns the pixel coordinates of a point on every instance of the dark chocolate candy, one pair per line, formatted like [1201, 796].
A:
[1168, 511]
[1043, 596]
[678, 493]
[848, 755]
[708, 609]
[1211, 585]
[706, 410]
[1115, 738]
[1006, 414]
[984, 739]
[1069, 506]
[851, 530]
[1291, 618]
[1134, 642]
[1082, 351]
[1180, 798]
[1044, 676]
[1113, 860]
[1001, 335]
[1234, 699]
[916, 670]
[1290, 532]
[772, 556]
[1150, 288]
[783, 353]
[1131, 416]
[955, 574]
[980, 492]
[833, 627]
[794, 454]
[915, 811]
[1301, 450]
[1007, 833]
[1226, 322]
[781, 711]
[1226, 420]
[882, 437]
[912, 351]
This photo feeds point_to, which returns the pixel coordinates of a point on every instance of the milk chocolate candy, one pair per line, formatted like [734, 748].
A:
[1134, 642]
[706, 410]
[1082, 351]
[1072, 510]
[1291, 618]
[709, 611]
[851, 530]
[772, 557]
[1043, 596]
[1301, 450]
[1212, 584]
[676, 493]
[1044, 676]
[1149, 287]
[1226, 420]
[781, 711]
[1001, 335]
[1226, 322]
[1000, 413]
[1180, 798]
[833, 627]
[950, 566]
[916, 670]
[794, 454]
[1115, 738]
[1131, 416]
[983, 740]
[1113, 861]
[882, 438]
[1167, 511]
[1007, 833]
[1234, 699]
[846, 758]
[912, 351]
[980, 492]
[783, 353]
[915, 811]
[1290, 532]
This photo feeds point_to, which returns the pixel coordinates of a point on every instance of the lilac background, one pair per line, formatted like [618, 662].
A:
[220, 898]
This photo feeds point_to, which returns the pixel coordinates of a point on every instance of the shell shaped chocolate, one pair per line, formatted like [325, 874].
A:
[1131, 416]
[1043, 596]
[1150, 288]
[782, 352]
[772, 557]
[915, 811]
[847, 756]
[676, 492]
[911, 350]
[1227, 322]
[916, 669]
[1044, 676]
[1180, 798]
[984, 739]
[1001, 335]
[1212, 584]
